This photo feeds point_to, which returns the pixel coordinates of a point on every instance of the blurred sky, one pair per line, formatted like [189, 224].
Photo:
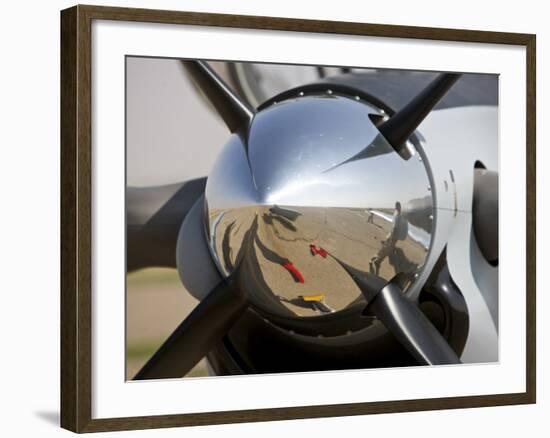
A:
[172, 135]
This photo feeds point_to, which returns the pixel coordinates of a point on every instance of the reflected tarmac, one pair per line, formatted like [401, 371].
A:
[287, 256]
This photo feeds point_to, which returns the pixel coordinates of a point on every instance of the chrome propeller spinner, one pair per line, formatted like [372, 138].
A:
[312, 192]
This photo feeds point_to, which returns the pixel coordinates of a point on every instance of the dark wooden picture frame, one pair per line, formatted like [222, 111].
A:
[76, 174]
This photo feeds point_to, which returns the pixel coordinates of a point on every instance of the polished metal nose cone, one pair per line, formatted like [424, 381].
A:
[312, 192]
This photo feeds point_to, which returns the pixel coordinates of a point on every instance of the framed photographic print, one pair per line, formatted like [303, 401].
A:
[267, 218]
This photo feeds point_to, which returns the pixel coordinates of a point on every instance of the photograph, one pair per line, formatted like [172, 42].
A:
[267, 218]
[285, 218]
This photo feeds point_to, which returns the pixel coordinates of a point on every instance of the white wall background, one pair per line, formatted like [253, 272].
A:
[29, 222]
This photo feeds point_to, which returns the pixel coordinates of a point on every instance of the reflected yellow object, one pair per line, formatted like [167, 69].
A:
[319, 297]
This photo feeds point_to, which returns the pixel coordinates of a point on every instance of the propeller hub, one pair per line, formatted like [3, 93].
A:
[311, 192]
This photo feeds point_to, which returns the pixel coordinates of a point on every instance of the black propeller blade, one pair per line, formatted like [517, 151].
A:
[403, 123]
[403, 319]
[411, 327]
[235, 113]
[205, 326]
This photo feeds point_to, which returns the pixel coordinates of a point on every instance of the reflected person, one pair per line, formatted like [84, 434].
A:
[399, 231]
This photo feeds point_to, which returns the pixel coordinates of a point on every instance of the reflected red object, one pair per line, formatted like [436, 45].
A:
[317, 250]
[296, 274]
